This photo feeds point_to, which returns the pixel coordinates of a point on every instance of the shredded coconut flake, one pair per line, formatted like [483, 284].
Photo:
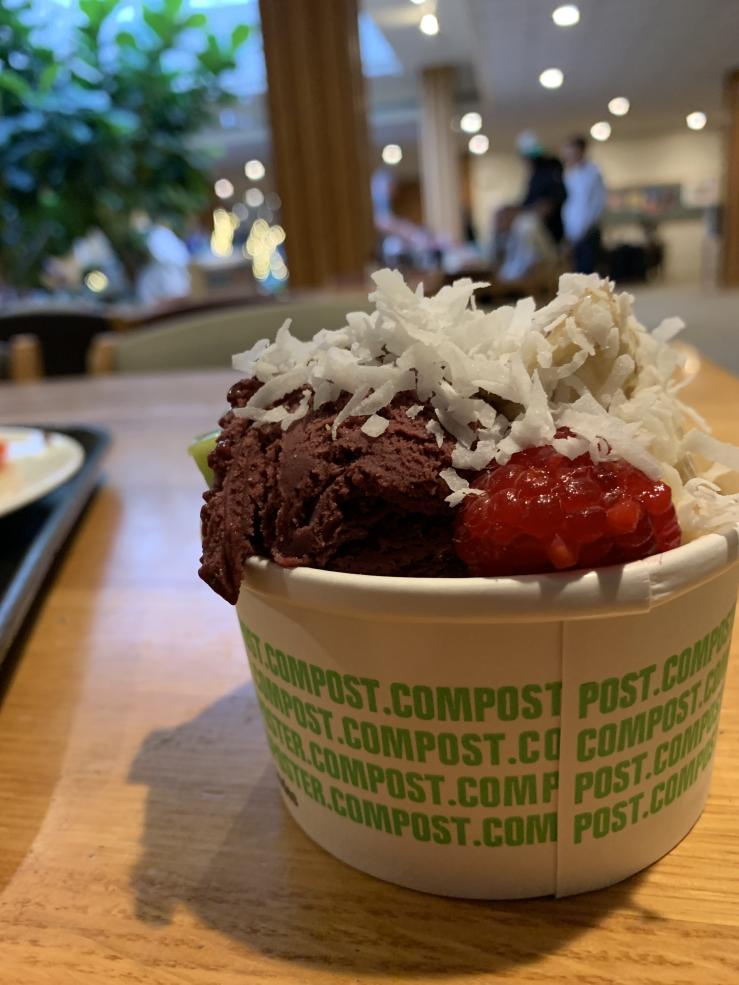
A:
[501, 381]
[375, 426]
[459, 487]
[712, 449]
[437, 430]
[668, 329]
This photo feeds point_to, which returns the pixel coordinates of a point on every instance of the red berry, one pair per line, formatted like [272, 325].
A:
[544, 512]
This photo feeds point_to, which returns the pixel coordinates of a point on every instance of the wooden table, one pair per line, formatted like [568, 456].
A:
[142, 839]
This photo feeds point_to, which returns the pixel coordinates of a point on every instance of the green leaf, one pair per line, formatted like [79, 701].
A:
[173, 7]
[90, 9]
[195, 20]
[48, 76]
[96, 11]
[15, 84]
[212, 57]
[160, 23]
[239, 35]
[126, 40]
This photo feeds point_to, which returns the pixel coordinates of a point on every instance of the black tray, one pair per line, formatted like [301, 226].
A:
[31, 537]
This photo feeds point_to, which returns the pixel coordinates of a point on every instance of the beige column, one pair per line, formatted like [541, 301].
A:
[319, 138]
[731, 211]
[440, 183]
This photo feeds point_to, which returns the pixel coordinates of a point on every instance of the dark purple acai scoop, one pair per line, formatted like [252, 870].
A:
[357, 504]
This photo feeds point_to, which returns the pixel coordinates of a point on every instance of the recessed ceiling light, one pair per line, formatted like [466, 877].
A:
[479, 144]
[429, 24]
[392, 154]
[619, 106]
[566, 15]
[552, 78]
[471, 122]
[223, 188]
[254, 170]
[601, 130]
[697, 120]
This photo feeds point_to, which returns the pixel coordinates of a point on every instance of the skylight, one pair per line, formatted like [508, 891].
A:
[378, 57]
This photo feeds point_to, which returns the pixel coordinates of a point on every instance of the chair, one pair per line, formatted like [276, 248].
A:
[63, 335]
[209, 340]
[21, 360]
[540, 283]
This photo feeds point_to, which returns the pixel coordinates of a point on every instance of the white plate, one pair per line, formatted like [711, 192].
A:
[35, 463]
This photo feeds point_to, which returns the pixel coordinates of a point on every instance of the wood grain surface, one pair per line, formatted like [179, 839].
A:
[142, 839]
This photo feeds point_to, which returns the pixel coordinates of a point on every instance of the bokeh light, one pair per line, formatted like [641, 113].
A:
[96, 281]
[392, 154]
[552, 78]
[254, 170]
[479, 144]
[601, 130]
[223, 188]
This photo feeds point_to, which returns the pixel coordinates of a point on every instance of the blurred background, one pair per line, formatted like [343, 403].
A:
[175, 175]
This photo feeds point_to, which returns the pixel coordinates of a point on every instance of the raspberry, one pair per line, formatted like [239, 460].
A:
[545, 512]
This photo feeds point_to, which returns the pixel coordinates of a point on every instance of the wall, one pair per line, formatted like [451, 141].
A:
[684, 157]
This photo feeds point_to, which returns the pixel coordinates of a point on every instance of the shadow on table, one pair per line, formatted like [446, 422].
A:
[218, 840]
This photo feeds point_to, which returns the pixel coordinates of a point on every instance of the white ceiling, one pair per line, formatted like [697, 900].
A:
[668, 57]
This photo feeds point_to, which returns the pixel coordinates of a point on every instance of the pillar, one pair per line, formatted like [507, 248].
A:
[320, 146]
[731, 211]
[440, 180]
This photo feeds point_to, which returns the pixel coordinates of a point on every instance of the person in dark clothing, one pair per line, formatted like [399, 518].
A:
[545, 182]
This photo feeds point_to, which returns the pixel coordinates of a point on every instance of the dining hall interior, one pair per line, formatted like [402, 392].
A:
[179, 181]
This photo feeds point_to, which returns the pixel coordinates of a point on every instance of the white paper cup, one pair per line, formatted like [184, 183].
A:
[495, 738]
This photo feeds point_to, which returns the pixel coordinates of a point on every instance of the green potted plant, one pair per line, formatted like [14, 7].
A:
[94, 137]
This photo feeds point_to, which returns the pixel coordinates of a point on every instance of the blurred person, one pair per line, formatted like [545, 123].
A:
[522, 243]
[400, 241]
[584, 206]
[545, 181]
[382, 188]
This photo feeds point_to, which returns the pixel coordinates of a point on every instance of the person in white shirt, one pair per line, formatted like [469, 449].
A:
[584, 205]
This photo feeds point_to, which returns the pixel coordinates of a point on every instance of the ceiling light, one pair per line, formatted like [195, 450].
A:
[566, 15]
[471, 122]
[601, 130]
[254, 198]
[254, 170]
[429, 24]
[696, 121]
[619, 106]
[223, 188]
[392, 154]
[479, 144]
[552, 78]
